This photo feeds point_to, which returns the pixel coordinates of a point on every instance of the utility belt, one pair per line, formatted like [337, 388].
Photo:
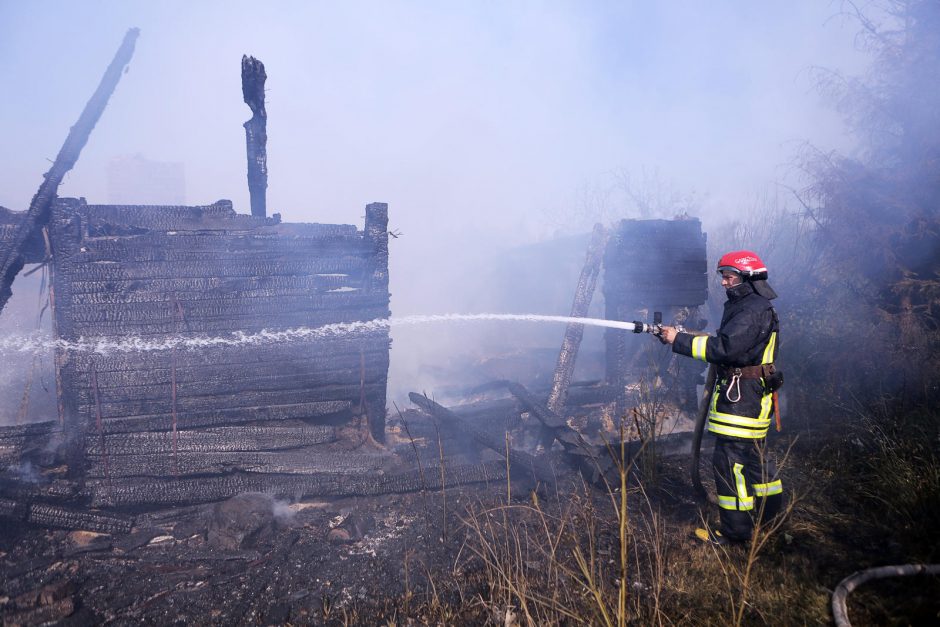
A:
[771, 376]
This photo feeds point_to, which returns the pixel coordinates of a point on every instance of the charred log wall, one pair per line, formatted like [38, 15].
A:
[156, 273]
[33, 250]
[650, 265]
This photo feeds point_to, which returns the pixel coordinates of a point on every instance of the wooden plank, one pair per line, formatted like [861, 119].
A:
[227, 416]
[226, 390]
[221, 324]
[273, 304]
[242, 399]
[131, 384]
[187, 287]
[217, 439]
[137, 492]
[298, 461]
[319, 286]
[220, 249]
[113, 270]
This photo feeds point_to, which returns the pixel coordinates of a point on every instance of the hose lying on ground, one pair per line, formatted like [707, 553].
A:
[839, 611]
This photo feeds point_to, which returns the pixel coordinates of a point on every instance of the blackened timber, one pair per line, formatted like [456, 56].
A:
[224, 245]
[208, 290]
[32, 250]
[256, 133]
[296, 461]
[587, 282]
[245, 399]
[143, 491]
[251, 267]
[223, 387]
[48, 515]
[221, 323]
[591, 461]
[219, 216]
[120, 369]
[314, 309]
[375, 279]
[223, 417]
[519, 459]
[216, 440]
[40, 208]
[63, 517]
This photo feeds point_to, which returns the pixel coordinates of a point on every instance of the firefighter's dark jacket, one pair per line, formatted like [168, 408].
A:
[741, 407]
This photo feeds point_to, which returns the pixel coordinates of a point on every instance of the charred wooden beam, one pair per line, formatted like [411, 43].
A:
[215, 440]
[126, 492]
[531, 465]
[59, 516]
[574, 332]
[591, 461]
[314, 410]
[375, 281]
[256, 133]
[69, 518]
[305, 461]
[37, 216]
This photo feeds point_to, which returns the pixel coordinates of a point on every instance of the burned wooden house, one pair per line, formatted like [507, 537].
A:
[168, 361]
[198, 344]
[201, 353]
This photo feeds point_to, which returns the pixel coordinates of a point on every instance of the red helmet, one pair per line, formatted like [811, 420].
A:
[745, 263]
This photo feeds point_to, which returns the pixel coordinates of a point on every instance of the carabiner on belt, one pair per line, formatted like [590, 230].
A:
[735, 382]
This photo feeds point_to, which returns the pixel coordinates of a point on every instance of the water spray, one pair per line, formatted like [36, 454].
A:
[105, 345]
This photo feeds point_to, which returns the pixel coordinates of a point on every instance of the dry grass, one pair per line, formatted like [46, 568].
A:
[626, 555]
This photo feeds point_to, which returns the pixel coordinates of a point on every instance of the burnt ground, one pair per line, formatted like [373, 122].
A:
[468, 556]
[308, 562]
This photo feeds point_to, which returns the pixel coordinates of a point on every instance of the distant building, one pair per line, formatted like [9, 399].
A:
[134, 179]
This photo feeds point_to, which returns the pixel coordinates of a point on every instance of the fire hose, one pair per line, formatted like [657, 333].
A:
[699, 431]
[839, 610]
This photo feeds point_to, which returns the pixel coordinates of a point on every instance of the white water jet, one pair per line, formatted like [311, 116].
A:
[37, 343]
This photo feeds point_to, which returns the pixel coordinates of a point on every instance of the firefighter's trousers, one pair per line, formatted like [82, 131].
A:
[747, 485]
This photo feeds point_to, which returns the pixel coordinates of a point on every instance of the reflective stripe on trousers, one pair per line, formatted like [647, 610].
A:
[741, 501]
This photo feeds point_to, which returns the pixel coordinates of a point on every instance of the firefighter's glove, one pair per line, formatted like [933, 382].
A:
[666, 335]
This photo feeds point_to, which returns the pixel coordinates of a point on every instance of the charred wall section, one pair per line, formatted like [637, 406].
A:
[155, 273]
[651, 265]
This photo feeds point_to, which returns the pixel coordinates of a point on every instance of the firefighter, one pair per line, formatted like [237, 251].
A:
[741, 405]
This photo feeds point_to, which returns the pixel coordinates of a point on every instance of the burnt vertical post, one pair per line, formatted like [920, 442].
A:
[375, 234]
[256, 133]
[574, 332]
[40, 208]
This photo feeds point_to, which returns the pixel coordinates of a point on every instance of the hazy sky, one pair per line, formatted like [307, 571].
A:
[456, 113]
[477, 121]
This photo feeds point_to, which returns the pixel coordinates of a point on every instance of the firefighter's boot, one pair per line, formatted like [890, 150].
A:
[711, 536]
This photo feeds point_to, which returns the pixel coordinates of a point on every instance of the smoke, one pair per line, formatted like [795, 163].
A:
[283, 514]
[486, 127]
[27, 379]
[25, 472]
